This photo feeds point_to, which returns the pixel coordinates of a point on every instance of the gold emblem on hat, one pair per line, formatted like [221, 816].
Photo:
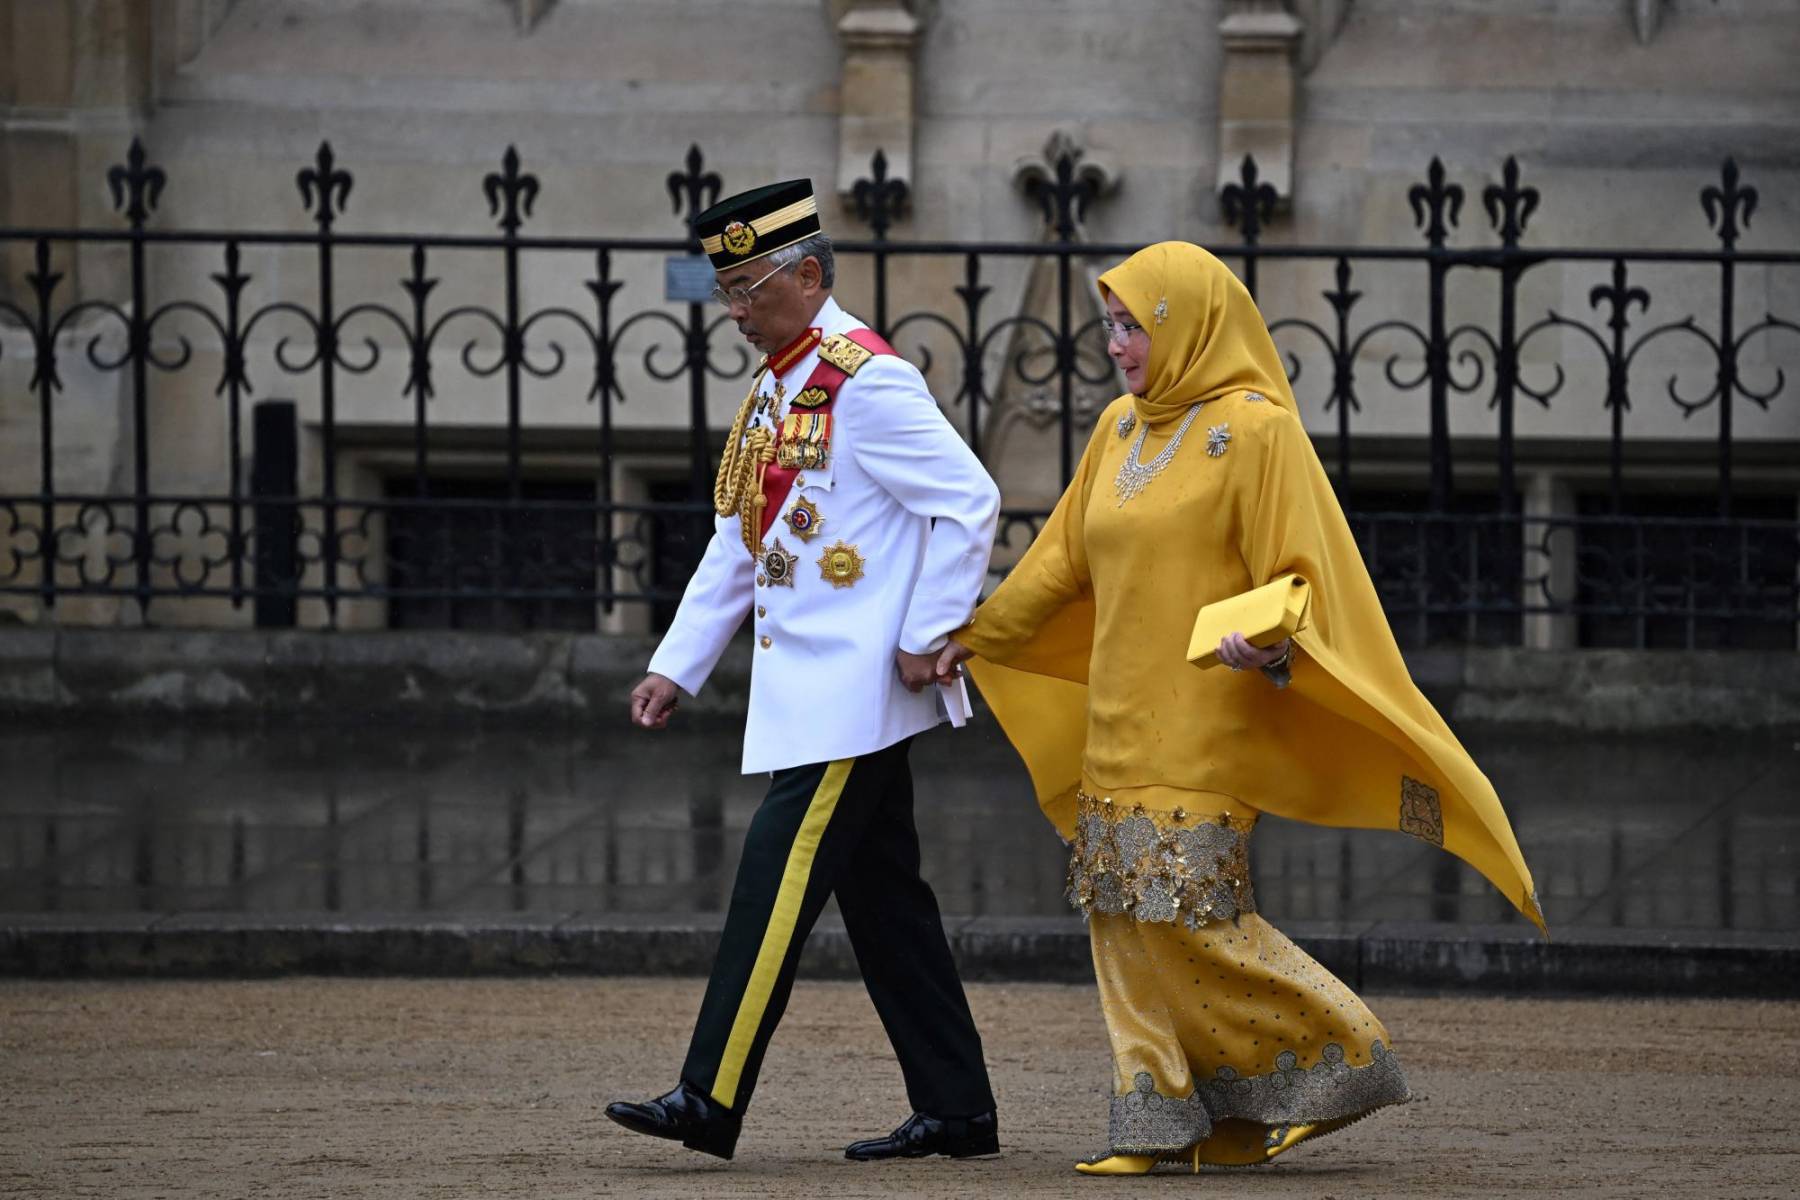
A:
[738, 238]
[812, 397]
[840, 565]
[803, 520]
[778, 565]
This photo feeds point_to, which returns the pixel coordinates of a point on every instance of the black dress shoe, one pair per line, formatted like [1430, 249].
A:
[686, 1115]
[921, 1136]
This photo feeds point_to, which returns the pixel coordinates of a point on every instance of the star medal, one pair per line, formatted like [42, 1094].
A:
[778, 565]
[840, 565]
[803, 520]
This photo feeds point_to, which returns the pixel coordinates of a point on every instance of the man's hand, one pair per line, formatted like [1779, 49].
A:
[1236, 652]
[950, 660]
[916, 670]
[653, 702]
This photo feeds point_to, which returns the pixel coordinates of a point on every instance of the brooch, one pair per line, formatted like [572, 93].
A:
[1218, 440]
[1127, 423]
[840, 565]
[1162, 310]
[803, 520]
[1256, 398]
[778, 565]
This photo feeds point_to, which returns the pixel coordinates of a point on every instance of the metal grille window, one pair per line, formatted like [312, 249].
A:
[1665, 571]
[451, 553]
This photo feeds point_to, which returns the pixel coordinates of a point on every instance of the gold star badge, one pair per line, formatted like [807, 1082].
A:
[840, 565]
[803, 520]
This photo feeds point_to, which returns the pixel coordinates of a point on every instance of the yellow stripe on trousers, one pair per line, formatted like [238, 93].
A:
[780, 932]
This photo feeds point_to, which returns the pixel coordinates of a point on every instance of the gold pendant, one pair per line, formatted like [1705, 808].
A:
[803, 520]
[778, 565]
[840, 565]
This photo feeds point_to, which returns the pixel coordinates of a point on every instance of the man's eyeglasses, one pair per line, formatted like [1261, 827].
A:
[1119, 331]
[741, 295]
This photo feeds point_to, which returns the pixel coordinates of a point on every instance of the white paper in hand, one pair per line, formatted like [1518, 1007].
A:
[956, 701]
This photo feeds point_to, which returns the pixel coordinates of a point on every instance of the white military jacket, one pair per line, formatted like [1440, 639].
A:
[901, 489]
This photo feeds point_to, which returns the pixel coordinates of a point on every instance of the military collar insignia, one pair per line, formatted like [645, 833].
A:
[783, 360]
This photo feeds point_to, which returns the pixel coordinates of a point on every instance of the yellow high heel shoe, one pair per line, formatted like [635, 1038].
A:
[1118, 1164]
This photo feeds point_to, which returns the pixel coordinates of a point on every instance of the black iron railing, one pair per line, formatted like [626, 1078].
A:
[531, 544]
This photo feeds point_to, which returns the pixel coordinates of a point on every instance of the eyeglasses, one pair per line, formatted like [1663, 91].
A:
[741, 295]
[1119, 331]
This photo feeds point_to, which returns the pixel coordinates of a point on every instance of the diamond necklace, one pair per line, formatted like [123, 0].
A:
[1134, 474]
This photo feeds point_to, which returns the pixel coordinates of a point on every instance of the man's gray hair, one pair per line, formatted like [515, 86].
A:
[817, 246]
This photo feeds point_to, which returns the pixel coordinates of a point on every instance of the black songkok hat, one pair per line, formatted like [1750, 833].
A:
[751, 224]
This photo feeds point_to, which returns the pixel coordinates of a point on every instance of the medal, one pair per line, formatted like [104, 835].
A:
[803, 520]
[840, 565]
[778, 565]
[805, 440]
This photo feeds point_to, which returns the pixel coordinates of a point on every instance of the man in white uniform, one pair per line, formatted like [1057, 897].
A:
[856, 525]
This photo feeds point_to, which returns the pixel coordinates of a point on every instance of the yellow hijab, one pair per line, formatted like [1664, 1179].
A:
[1366, 749]
[1206, 338]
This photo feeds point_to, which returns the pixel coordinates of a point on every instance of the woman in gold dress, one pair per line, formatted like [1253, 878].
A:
[1230, 1044]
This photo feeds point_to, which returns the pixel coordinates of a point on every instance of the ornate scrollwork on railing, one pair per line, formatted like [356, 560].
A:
[1034, 366]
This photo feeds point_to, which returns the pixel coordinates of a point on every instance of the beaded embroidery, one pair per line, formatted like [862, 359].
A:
[1158, 866]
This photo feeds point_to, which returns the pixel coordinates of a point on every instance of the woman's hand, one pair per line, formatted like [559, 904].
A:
[950, 660]
[1236, 652]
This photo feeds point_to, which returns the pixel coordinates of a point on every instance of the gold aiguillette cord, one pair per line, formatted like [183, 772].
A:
[738, 486]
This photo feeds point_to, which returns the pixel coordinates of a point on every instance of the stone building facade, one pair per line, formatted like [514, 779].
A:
[1618, 111]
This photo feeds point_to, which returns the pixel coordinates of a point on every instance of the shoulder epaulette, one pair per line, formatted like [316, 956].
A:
[844, 354]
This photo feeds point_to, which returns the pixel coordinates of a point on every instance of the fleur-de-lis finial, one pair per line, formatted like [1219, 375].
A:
[1064, 192]
[324, 188]
[136, 187]
[1435, 204]
[510, 192]
[1508, 205]
[1248, 203]
[1722, 204]
[697, 187]
[878, 199]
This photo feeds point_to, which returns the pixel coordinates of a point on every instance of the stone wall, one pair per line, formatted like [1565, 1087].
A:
[1618, 112]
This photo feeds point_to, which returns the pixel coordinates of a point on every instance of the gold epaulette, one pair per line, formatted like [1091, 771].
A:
[844, 354]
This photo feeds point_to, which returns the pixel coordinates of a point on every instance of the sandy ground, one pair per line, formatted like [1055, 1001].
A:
[415, 1088]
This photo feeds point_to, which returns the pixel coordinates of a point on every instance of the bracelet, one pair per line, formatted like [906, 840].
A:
[1278, 672]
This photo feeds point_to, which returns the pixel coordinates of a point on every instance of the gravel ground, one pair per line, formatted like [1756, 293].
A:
[416, 1088]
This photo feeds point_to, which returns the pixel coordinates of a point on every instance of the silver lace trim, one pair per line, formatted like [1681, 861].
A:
[1144, 1121]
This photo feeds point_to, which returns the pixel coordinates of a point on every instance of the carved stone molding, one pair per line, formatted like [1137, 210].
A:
[1257, 91]
[876, 101]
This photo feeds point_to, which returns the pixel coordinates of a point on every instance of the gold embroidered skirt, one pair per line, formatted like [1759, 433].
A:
[1225, 1035]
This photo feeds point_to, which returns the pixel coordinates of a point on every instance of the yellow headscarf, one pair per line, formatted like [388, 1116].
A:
[1363, 747]
[1206, 338]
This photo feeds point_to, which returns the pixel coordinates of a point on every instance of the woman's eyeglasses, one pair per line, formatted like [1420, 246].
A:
[1119, 331]
[741, 295]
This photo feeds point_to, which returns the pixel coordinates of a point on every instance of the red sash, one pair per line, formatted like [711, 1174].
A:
[778, 480]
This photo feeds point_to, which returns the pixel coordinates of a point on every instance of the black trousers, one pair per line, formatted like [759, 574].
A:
[844, 827]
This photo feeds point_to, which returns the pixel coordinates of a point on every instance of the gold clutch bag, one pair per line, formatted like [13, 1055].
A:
[1264, 615]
